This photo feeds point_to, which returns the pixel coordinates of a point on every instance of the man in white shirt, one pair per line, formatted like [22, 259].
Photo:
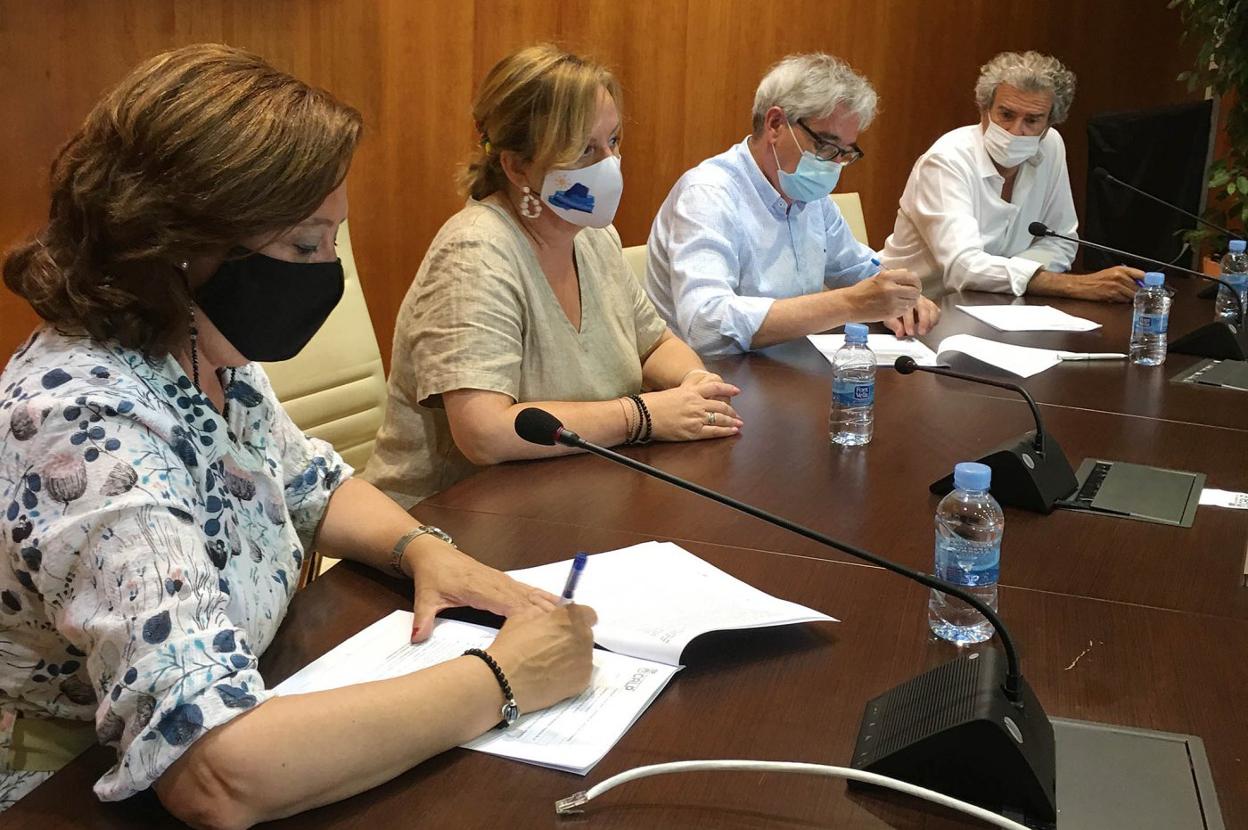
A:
[748, 251]
[964, 216]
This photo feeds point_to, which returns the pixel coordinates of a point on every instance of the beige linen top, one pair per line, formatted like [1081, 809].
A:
[481, 314]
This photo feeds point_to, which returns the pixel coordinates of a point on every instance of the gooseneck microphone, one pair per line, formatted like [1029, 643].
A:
[537, 426]
[909, 731]
[1104, 175]
[1217, 340]
[1030, 472]
[906, 365]
[1041, 229]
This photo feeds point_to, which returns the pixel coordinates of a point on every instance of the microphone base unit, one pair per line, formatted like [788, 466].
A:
[1023, 478]
[953, 730]
[1219, 341]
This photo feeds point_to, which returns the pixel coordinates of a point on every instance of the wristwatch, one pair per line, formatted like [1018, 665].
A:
[510, 713]
[396, 553]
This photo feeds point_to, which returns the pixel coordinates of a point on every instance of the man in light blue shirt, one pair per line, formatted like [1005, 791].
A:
[747, 251]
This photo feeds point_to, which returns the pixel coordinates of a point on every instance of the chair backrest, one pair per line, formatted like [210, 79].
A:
[335, 388]
[636, 259]
[850, 206]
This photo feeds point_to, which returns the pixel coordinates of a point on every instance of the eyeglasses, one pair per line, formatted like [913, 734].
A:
[830, 150]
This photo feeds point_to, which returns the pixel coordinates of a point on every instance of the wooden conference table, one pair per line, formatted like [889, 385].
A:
[1117, 621]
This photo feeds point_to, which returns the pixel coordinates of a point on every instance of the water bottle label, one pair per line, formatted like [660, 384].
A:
[1151, 323]
[950, 572]
[853, 393]
[965, 563]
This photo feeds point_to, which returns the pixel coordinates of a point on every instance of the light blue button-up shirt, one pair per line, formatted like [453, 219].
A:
[725, 246]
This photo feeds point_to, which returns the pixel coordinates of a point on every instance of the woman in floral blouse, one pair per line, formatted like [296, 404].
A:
[156, 502]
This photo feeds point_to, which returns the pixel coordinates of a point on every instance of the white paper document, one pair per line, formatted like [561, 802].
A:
[1224, 498]
[573, 735]
[887, 348]
[1028, 318]
[654, 598]
[1018, 360]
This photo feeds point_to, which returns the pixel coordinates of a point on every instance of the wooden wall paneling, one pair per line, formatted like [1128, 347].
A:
[644, 44]
[689, 69]
[56, 58]
[415, 93]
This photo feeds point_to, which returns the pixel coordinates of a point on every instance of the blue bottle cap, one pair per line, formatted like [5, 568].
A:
[971, 475]
[1237, 246]
[855, 333]
[1154, 278]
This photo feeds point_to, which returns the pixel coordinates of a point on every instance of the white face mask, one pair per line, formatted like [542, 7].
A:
[589, 196]
[1007, 149]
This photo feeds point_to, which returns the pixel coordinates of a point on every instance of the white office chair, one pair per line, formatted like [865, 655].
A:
[636, 259]
[850, 206]
[335, 389]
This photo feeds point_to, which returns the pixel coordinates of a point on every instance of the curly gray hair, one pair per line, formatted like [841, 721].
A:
[1030, 72]
[812, 86]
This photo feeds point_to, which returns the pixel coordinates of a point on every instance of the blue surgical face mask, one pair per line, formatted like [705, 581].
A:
[813, 179]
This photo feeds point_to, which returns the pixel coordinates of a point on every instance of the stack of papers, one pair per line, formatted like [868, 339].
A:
[1019, 360]
[652, 600]
[1028, 318]
[573, 735]
[887, 348]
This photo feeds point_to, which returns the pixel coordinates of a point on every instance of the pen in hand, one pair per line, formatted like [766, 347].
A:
[574, 576]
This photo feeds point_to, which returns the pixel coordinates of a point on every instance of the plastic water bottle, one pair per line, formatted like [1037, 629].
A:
[1234, 271]
[852, 421]
[969, 526]
[1150, 321]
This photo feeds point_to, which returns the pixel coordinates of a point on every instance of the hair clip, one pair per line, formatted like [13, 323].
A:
[484, 138]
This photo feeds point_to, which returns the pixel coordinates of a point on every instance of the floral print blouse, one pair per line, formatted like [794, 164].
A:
[149, 545]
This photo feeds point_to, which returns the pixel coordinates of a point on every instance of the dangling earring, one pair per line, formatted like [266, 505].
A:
[530, 205]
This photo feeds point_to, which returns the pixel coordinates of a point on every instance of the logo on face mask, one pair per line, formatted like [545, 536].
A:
[575, 197]
[587, 197]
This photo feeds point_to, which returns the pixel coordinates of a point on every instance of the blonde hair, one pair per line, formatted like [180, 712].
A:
[540, 103]
[195, 150]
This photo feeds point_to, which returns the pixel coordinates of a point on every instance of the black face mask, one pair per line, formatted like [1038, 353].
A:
[269, 308]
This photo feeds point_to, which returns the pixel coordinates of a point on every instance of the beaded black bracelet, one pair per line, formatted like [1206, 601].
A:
[648, 430]
[510, 711]
[632, 423]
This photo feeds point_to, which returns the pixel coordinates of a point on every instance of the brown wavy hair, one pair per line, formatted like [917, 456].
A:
[197, 149]
[539, 102]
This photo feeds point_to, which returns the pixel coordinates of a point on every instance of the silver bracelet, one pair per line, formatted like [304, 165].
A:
[396, 553]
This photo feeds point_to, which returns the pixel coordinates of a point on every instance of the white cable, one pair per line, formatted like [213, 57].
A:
[572, 803]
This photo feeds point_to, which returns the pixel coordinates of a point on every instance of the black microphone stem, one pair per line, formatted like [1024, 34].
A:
[1102, 173]
[1013, 387]
[1013, 675]
[1149, 260]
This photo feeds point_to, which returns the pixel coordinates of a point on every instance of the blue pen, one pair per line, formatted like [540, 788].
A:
[875, 262]
[574, 576]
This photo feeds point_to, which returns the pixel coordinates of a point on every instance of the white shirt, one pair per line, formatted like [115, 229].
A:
[725, 246]
[954, 229]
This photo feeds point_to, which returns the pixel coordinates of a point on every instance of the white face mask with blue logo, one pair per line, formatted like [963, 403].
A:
[813, 179]
[588, 196]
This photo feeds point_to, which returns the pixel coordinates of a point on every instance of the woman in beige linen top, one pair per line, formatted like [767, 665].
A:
[525, 301]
